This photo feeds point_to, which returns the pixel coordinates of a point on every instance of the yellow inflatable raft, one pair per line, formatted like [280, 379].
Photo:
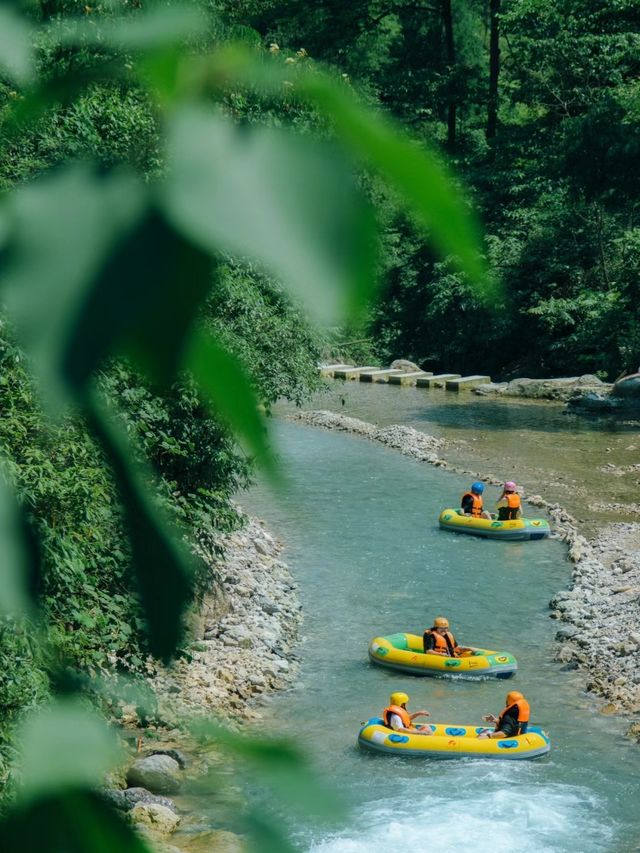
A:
[453, 741]
[490, 528]
[404, 653]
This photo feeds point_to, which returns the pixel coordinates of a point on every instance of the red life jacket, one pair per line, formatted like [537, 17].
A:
[523, 715]
[401, 712]
[476, 509]
[442, 642]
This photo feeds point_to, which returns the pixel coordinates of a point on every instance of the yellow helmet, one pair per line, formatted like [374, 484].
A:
[440, 622]
[513, 696]
[398, 698]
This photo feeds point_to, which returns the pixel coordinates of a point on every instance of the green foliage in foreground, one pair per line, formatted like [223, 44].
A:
[135, 333]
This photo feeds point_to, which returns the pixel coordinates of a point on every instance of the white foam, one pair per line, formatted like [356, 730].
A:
[492, 819]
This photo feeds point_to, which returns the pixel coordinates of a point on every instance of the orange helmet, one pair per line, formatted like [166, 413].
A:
[440, 622]
[513, 696]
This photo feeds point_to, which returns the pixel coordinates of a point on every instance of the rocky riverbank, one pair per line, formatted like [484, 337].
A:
[247, 630]
[601, 611]
[245, 635]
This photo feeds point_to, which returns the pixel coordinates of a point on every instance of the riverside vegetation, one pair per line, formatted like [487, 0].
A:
[151, 297]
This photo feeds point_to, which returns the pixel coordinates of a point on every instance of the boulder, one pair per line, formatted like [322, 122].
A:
[489, 388]
[133, 796]
[562, 388]
[116, 798]
[176, 754]
[159, 774]
[157, 821]
[403, 364]
[628, 387]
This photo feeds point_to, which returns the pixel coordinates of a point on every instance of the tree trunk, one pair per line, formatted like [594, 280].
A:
[447, 21]
[494, 68]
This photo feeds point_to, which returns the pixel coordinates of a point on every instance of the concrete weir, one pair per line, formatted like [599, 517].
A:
[428, 379]
[379, 375]
[408, 378]
[398, 376]
[351, 372]
[330, 369]
[466, 382]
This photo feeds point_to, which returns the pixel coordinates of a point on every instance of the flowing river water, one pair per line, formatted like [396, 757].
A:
[360, 526]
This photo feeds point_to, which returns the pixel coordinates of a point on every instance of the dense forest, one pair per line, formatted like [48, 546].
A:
[536, 104]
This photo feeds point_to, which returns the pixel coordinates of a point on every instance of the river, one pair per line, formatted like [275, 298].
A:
[360, 526]
[581, 462]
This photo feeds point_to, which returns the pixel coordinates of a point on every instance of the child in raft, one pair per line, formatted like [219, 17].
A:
[509, 505]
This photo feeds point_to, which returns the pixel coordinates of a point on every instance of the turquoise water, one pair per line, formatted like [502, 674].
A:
[360, 527]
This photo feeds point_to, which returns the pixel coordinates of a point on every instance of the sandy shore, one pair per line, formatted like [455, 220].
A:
[600, 613]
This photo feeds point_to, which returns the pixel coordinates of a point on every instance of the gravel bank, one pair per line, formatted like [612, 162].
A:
[246, 634]
[601, 611]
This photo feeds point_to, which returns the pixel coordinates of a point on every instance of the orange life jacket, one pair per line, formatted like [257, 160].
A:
[510, 511]
[523, 715]
[401, 712]
[442, 642]
[476, 509]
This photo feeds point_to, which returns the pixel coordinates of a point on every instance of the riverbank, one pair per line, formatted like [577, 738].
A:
[601, 634]
[247, 628]
[243, 648]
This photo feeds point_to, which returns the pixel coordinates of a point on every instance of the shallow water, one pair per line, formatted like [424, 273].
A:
[360, 526]
[537, 443]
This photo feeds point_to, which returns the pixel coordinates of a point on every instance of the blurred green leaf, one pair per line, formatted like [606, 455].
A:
[283, 202]
[64, 746]
[411, 169]
[226, 387]
[162, 566]
[265, 836]
[56, 250]
[75, 822]
[14, 554]
[156, 27]
[135, 302]
[16, 52]
[281, 768]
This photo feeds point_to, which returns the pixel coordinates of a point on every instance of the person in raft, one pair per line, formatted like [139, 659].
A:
[472, 504]
[513, 721]
[396, 716]
[509, 504]
[441, 641]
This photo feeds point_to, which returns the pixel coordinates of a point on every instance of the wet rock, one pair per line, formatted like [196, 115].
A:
[116, 798]
[628, 387]
[133, 796]
[553, 389]
[609, 709]
[159, 774]
[157, 821]
[566, 632]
